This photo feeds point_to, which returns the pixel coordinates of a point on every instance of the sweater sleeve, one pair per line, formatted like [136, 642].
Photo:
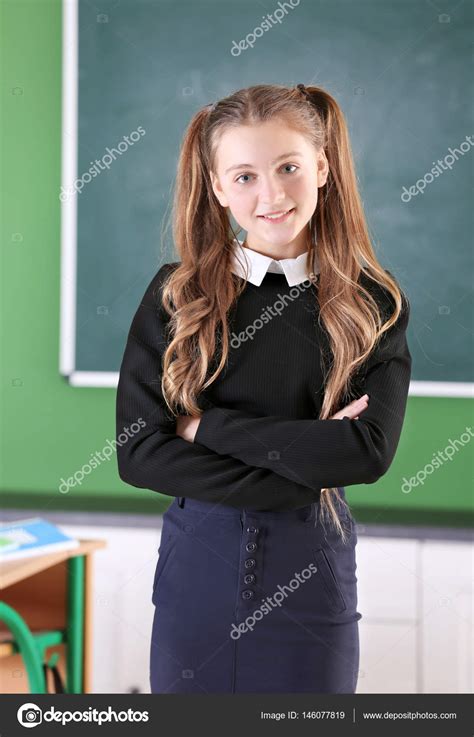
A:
[326, 453]
[149, 453]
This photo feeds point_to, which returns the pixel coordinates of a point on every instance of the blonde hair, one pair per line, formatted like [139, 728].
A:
[198, 294]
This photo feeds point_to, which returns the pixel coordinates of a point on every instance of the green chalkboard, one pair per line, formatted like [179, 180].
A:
[401, 72]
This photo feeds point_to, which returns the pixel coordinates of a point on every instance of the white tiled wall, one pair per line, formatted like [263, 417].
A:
[415, 597]
[447, 632]
[388, 662]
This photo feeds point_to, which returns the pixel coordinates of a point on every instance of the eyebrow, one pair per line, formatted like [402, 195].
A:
[275, 161]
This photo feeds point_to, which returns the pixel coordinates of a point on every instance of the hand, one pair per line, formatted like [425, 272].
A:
[186, 427]
[352, 410]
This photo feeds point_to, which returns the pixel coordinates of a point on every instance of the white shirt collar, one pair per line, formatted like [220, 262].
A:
[295, 269]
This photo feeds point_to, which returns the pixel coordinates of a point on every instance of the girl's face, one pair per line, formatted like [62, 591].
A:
[269, 168]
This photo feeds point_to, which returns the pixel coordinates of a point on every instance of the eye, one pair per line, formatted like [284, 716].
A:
[283, 167]
[240, 177]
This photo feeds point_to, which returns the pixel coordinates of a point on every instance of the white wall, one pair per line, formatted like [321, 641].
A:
[417, 600]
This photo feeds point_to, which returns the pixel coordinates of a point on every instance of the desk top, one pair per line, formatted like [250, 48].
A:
[16, 570]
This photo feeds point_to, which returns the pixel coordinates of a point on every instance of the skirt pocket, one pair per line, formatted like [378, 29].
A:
[164, 554]
[330, 583]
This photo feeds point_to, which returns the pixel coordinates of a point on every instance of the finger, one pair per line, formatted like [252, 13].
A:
[357, 402]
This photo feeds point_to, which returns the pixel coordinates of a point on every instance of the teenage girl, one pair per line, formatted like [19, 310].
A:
[240, 357]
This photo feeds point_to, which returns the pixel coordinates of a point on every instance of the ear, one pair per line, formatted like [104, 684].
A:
[323, 169]
[217, 189]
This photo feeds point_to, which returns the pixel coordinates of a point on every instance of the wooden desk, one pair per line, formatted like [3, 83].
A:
[51, 592]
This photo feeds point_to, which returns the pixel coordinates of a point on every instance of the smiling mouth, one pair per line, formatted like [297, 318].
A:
[284, 215]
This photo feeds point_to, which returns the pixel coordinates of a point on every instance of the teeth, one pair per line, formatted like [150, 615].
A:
[274, 217]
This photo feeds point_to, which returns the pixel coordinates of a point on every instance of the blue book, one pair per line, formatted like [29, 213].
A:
[28, 537]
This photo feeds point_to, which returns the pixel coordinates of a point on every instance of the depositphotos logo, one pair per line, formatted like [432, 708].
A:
[30, 715]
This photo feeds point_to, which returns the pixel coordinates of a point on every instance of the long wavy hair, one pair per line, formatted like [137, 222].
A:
[199, 293]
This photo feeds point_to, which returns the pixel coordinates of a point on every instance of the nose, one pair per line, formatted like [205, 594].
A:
[271, 192]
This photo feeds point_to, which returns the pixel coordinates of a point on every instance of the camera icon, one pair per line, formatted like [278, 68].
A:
[29, 715]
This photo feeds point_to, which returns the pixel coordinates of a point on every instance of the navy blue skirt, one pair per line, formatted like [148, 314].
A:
[254, 602]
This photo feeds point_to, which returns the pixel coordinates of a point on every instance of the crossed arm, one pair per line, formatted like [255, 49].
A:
[156, 458]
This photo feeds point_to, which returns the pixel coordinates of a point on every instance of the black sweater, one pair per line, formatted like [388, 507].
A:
[259, 444]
